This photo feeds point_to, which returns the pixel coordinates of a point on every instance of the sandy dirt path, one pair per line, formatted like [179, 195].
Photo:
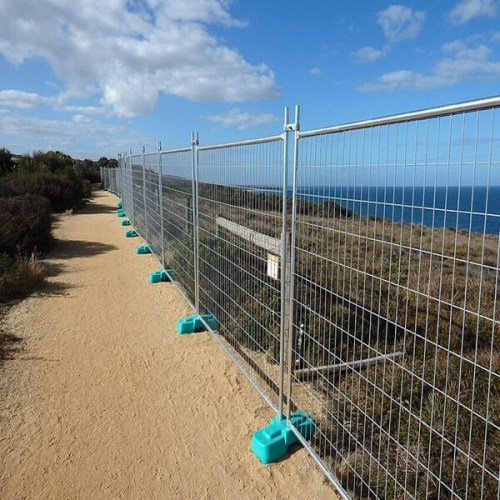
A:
[105, 400]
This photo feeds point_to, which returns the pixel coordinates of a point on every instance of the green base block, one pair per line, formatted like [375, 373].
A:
[142, 249]
[192, 324]
[120, 213]
[160, 275]
[271, 443]
[131, 233]
[125, 222]
[120, 204]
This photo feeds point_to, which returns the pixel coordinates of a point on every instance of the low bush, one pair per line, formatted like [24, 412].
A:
[64, 190]
[19, 276]
[25, 222]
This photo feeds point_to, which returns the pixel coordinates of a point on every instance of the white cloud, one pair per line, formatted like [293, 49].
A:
[128, 52]
[315, 72]
[400, 23]
[495, 37]
[367, 54]
[242, 119]
[464, 62]
[23, 100]
[89, 110]
[469, 9]
[79, 137]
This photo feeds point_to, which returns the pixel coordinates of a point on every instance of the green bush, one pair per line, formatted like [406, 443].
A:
[25, 222]
[65, 190]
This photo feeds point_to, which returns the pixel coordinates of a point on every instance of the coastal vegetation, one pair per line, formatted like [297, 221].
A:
[425, 416]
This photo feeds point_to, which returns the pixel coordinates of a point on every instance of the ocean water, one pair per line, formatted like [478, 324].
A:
[462, 208]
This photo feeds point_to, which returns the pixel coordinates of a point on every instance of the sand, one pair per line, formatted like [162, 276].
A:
[105, 400]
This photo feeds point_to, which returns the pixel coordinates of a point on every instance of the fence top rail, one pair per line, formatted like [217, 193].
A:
[175, 151]
[249, 142]
[452, 109]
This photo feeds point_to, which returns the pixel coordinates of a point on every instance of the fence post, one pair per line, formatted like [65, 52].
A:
[271, 443]
[284, 285]
[160, 204]
[293, 239]
[196, 252]
[131, 215]
[144, 194]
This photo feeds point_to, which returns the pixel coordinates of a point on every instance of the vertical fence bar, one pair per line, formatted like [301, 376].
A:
[160, 202]
[145, 235]
[293, 237]
[284, 275]
[195, 220]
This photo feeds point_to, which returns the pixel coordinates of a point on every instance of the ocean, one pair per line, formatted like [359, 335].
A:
[462, 208]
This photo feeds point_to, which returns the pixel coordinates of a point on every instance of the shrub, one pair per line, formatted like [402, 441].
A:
[25, 222]
[19, 276]
[64, 190]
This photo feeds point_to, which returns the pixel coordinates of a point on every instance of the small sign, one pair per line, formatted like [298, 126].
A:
[273, 266]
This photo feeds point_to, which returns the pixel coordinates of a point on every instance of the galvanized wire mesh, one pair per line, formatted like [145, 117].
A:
[382, 310]
[240, 204]
[395, 319]
[126, 189]
[152, 199]
[137, 191]
[178, 234]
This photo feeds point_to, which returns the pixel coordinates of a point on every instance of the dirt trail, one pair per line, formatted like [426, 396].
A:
[105, 400]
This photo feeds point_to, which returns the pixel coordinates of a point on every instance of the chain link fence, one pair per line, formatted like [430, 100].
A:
[354, 274]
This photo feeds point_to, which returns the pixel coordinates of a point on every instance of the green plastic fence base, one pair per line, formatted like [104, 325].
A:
[142, 249]
[192, 324]
[131, 233]
[125, 222]
[160, 275]
[271, 443]
[120, 213]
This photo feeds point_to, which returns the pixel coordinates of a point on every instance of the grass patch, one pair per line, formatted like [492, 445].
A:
[20, 276]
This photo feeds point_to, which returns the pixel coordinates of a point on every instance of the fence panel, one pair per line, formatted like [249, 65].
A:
[240, 198]
[178, 234]
[395, 318]
[152, 203]
[137, 191]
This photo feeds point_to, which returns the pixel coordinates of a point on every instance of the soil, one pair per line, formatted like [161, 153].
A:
[100, 398]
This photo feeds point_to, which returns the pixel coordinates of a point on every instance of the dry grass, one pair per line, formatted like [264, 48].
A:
[20, 277]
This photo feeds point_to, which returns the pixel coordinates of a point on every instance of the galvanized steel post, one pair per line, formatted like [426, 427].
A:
[160, 203]
[195, 209]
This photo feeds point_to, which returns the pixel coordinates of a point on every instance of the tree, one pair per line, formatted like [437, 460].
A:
[6, 163]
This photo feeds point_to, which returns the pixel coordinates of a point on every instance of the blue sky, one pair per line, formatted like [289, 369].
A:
[94, 77]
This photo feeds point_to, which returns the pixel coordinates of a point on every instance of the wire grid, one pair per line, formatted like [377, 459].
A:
[112, 179]
[137, 191]
[395, 318]
[122, 175]
[152, 197]
[242, 184]
[178, 236]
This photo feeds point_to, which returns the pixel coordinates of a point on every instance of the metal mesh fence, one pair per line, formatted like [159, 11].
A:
[395, 304]
[360, 284]
[137, 191]
[152, 203]
[240, 223]
[178, 233]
